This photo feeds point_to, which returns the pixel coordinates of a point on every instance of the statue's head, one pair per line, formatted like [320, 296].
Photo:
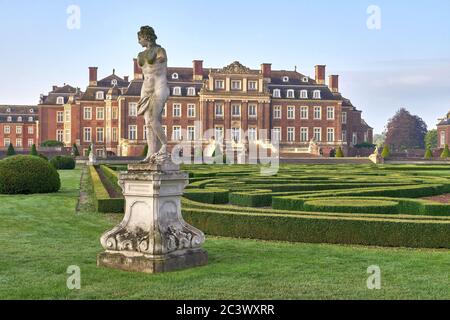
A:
[146, 36]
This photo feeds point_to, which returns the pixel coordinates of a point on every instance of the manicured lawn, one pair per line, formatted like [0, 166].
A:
[41, 235]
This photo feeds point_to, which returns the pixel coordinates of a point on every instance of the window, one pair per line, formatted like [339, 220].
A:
[114, 134]
[7, 130]
[30, 119]
[236, 134]
[176, 133]
[277, 93]
[218, 133]
[344, 135]
[60, 135]
[290, 134]
[366, 136]
[31, 110]
[191, 133]
[8, 110]
[305, 79]
[30, 142]
[252, 85]
[115, 113]
[19, 142]
[175, 76]
[276, 134]
[60, 100]
[304, 134]
[87, 134]
[67, 136]
[442, 139]
[317, 113]
[100, 136]
[236, 110]
[285, 79]
[277, 112]
[100, 153]
[316, 94]
[177, 110]
[165, 130]
[191, 91]
[132, 109]
[191, 110]
[6, 142]
[164, 111]
[87, 113]
[19, 119]
[317, 134]
[355, 138]
[344, 117]
[220, 84]
[290, 93]
[304, 113]
[177, 91]
[218, 110]
[100, 113]
[304, 94]
[19, 130]
[114, 82]
[30, 130]
[132, 132]
[236, 85]
[330, 113]
[330, 134]
[252, 134]
[290, 112]
[100, 95]
[9, 119]
[252, 110]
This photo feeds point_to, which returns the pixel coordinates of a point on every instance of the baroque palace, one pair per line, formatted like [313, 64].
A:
[234, 103]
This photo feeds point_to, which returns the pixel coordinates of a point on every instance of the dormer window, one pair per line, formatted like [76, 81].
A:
[177, 91]
[290, 94]
[175, 76]
[305, 79]
[19, 119]
[114, 82]
[31, 110]
[191, 91]
[316, 94]
[100, 95]
[304, 94]
[60, 100]
[276, 93]
[30, 119]
[9, 119]
[285, 79]
[8, 110]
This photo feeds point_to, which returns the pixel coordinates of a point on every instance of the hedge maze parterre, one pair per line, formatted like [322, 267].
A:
[344, 204]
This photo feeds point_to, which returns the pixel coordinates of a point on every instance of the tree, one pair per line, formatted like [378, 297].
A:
[405, 131]
[446, 153]
[145, 151]
[75, 151]
[339, 153]
[378, 140]
[89, 150]
[428, 153]
[386, 152]
[431, 139]
[33, 151]
[11, 151]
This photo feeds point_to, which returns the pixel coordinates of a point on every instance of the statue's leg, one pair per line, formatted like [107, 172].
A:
[150, 135]
[157, 126]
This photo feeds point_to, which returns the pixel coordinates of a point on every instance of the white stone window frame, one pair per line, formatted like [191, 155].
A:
[317, 134]
[132, 109]
[290, 112]
[277, 112]
[219, 84]
[303, 94]
[7, 130]
[290, 134]
[175, 76]
[317, 113]
[233, 85]
[285, 79]
[176, 91]
[191, 110]
[100, 95]
[276, 93]
[85, 131]
[278, 131]
[218, 106]
[331, 113]
[317, 94]
[290, 94]
[254, 107]
[234, 107]
[331, 133]
[191, 91]
[99, 113]
[251, 87]
[304, 134]
[176, 110]
[60, 100]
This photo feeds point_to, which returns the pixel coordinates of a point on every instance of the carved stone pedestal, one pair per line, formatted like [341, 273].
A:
[153, 237]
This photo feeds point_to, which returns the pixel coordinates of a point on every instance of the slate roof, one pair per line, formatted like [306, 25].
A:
[65, 91]
[18, 111]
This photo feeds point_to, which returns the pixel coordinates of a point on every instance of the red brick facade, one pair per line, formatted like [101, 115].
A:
[18, 126]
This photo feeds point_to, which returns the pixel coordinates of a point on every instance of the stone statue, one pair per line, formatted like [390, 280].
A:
[154, 94]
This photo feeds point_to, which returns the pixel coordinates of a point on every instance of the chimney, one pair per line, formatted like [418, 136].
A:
[266, 70]
[126, 78]
[197, 70]
[320, 74]
[137, 71]
[93, 76]
[54, 88]
[333, 83]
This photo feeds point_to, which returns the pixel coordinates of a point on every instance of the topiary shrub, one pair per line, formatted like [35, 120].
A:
[52, 144]
[339, 153]
[33, 151]
[386, 152]
[11, 151]
[63, 163]
[42, 156]
[75, 151]
[446, 153]
[27, 175]
[428, 154]
[145, 151]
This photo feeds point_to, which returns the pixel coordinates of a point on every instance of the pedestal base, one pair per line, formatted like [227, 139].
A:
[142, 263]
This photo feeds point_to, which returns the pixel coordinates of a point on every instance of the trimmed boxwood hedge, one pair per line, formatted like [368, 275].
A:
[63, 163]
[103, 202]
[28, 174]
[351, 206]
[212, 196]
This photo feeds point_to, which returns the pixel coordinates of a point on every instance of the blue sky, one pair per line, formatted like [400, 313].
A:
[404, 64]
